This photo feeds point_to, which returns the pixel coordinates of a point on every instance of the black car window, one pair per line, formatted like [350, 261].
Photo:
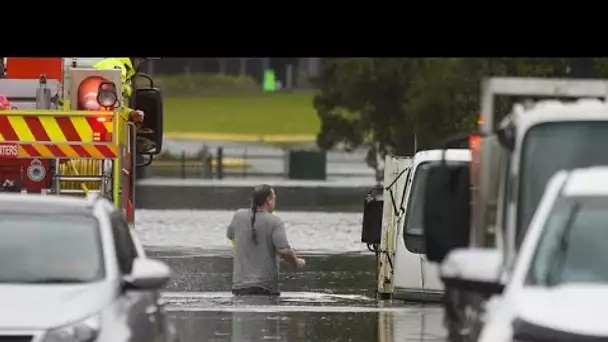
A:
[125, 247]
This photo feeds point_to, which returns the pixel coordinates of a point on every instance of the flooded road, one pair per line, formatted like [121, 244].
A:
[331, 299]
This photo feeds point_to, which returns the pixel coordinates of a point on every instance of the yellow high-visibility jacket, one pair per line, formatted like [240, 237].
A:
[127, 71]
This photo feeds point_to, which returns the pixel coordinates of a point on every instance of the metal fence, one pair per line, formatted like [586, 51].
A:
[229, 162]
[291, 72]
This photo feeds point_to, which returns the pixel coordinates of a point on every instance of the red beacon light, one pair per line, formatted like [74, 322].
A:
[475, 138]
[97, 93]
[474, 142]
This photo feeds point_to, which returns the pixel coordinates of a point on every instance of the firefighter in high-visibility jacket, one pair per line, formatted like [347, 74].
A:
[125, 64]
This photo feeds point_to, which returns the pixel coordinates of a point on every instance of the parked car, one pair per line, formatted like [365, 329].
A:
[554, 289]
[71, 269]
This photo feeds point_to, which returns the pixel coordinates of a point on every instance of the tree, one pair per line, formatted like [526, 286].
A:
[392, 105]
[362, 102]
[400, 105]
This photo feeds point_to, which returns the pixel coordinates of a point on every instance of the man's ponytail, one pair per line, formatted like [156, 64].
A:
[259, 197]
[254, 234]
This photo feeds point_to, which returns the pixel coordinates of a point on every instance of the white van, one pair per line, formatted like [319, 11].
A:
[415, 278]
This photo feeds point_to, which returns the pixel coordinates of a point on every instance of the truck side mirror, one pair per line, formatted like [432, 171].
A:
[150, 101]
[446, 209]
[506, 133]
[372, 216]
[475, 270]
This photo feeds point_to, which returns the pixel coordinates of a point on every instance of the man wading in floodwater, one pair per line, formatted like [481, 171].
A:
[259, 239]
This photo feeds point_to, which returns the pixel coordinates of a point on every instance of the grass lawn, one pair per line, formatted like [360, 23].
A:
[246, 114]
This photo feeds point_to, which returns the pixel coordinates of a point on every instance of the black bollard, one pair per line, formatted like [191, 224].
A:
[183, 168]
[219, 166]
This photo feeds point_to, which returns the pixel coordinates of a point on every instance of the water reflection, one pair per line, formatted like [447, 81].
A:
[332, 301]
[415, 324]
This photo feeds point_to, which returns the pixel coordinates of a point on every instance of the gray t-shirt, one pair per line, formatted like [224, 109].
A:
[256, 264]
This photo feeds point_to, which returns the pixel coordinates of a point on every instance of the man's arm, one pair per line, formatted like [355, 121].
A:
[281, 244]
[129, 114]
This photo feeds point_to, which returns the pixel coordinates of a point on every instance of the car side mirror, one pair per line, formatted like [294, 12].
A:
[372, 216]
[147, 274]
[446, 209]
[150, 101]
[474, 270]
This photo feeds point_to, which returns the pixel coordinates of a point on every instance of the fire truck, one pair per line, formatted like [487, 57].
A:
[52, 141]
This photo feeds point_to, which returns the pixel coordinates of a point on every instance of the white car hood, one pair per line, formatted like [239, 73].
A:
[572, 308]
[44, 306]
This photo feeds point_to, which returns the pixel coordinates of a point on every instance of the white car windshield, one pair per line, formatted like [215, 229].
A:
[572, 248]
[50, 249]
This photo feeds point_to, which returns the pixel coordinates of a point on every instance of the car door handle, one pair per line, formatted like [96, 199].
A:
[161, 302]
[151, 309]
[422, 262]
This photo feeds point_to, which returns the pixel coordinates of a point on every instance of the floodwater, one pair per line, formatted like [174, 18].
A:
[331, 299]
